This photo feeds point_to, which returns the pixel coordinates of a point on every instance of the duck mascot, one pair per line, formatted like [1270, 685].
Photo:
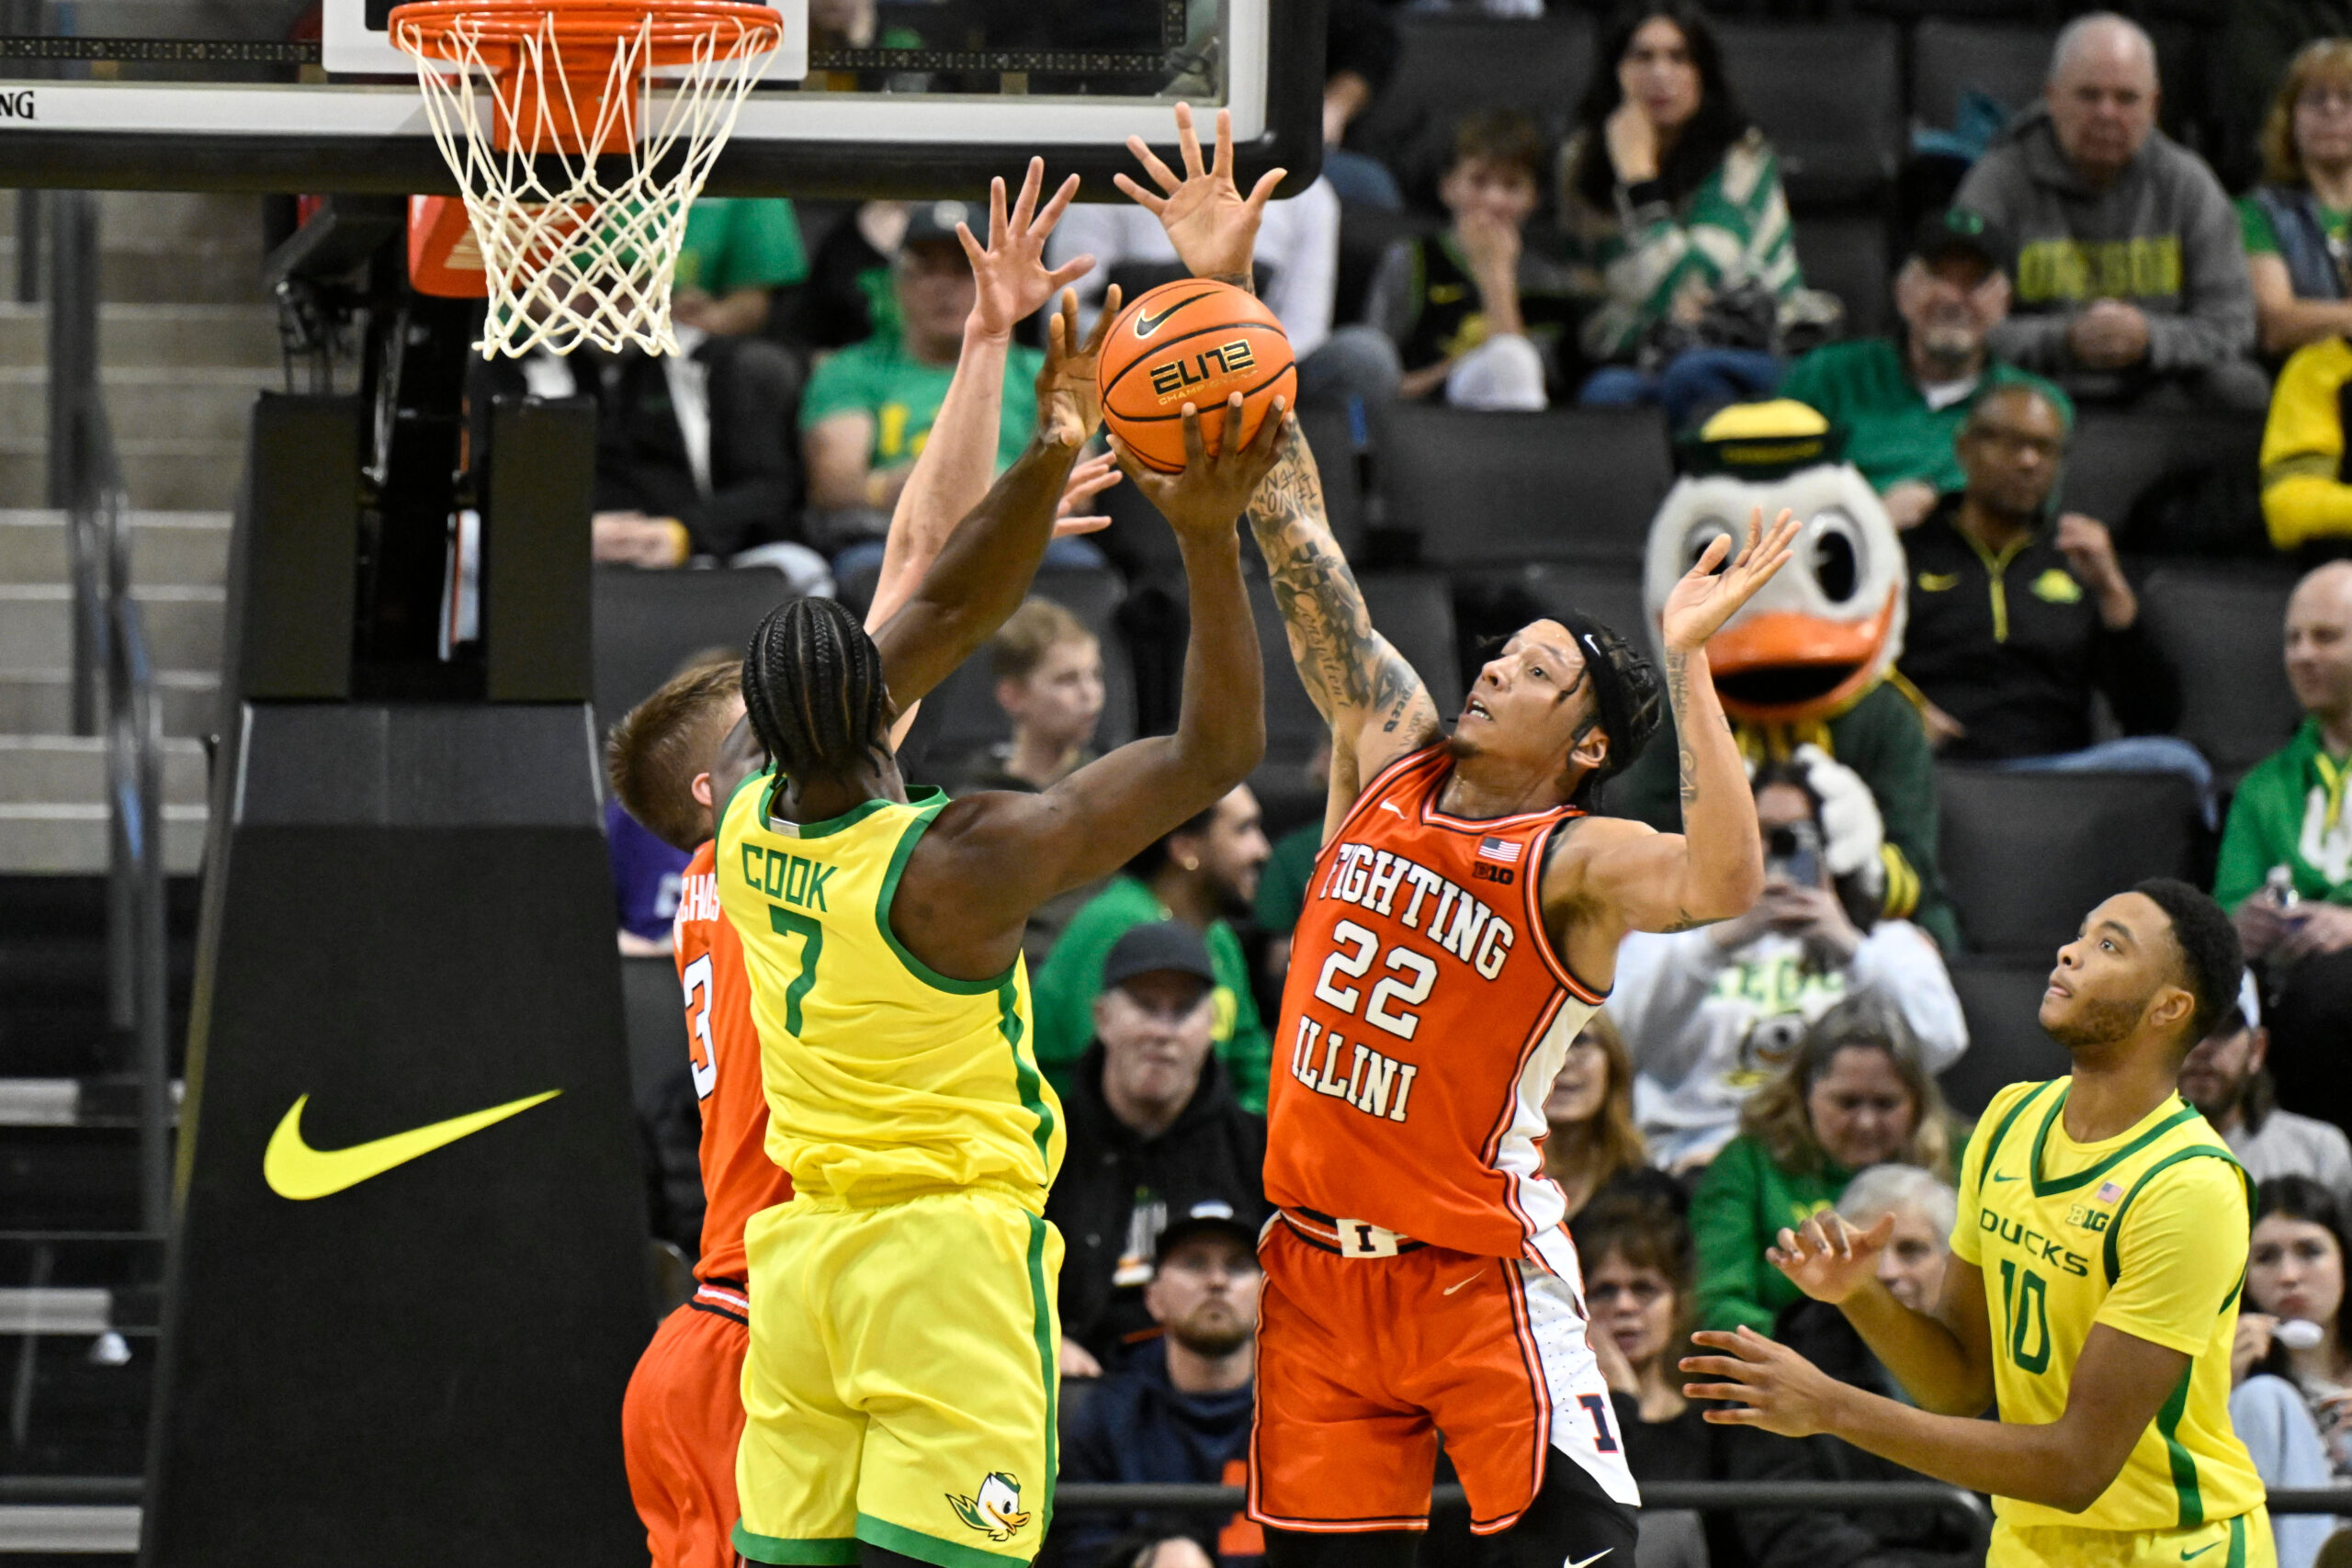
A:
[1806, 669]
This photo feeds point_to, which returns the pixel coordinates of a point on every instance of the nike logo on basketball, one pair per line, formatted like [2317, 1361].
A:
[1473, 1279]
[1148, 323]
[296, 1170]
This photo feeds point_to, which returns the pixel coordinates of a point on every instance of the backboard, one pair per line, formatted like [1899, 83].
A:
[869, 98]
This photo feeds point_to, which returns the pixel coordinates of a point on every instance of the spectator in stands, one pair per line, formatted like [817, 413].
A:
[1673, 199]
[1180, 1411]
[1203, 873]
[1477, 316]
[2286, 861]
[2224, 1077]
[2131, 274]
[1360, 51]
[1153, 1130]
[2295, 1273]
[1714, 1014]
[691, 454]
[1856, 1095]
[1297, 268]
[1048, 672]
[2016, 624]
[870, 407]
[2257, 43]
[1901, 402]
[2297, 223]
[849, 297]
[2306, 501]
[1290, 866]
[2267, 1412]
[1912, 1269]
[1636, 1256]
[1593, 1150]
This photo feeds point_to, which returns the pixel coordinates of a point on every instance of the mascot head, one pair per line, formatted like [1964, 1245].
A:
[1828, 628]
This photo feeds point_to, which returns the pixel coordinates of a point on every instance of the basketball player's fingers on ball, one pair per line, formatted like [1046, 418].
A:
[1263, 191]
[1266, 446]
[1229, 452]
[1195, 445]
[1108, 313]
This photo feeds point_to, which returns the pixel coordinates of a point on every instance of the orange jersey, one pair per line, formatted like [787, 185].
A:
[738, 1177]
[1425, 1017]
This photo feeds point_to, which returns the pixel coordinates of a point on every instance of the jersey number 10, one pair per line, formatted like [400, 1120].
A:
[2025, 1301]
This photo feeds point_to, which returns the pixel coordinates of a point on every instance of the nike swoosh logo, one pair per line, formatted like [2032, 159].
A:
[1997, 1176]
[1147, 324]
[1473, 1279]
[1392, 805]
[2200, 1552]
[1589, 1562]
[296, 1170]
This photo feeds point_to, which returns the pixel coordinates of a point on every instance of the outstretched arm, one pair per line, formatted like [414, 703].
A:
[1376, 705]
[1621, 876]
[985, 568]
[992, 858]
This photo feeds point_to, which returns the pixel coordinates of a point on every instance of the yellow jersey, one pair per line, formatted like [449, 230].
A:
[2144, 1231]
[884, 1078]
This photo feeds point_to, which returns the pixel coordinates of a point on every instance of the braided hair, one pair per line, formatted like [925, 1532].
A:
[1628, 703]
[814, 693]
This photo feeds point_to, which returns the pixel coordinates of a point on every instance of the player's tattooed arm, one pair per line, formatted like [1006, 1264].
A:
[1376, 704]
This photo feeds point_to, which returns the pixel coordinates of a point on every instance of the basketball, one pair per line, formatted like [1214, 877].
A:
[1192, 342]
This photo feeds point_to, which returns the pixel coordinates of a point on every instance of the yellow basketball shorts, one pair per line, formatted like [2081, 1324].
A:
[901, 1381]
[2240, 1542]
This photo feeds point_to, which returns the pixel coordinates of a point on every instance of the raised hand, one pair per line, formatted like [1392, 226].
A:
[1087, 480]
[1213, 226]
[1009, 272]
[1069, 399]
[1767, 1384]
[1698, 606]
[1212, 492]
[1827, 1258]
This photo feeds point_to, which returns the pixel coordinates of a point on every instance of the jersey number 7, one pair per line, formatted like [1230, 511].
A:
[784, 922]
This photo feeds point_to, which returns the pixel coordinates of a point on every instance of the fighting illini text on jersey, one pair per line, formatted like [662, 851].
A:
[1425, 1017]
[723, 1047]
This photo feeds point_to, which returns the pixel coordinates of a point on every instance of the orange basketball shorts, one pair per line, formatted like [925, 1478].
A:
[680, 1423]
[1362, 1362]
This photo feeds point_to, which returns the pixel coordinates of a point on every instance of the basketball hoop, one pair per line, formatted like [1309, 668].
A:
[576, 173]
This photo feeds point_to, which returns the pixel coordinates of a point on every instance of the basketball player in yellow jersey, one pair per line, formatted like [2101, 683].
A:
[900, 1385]
[2093, 1290]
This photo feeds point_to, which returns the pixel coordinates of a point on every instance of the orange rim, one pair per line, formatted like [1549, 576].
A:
[441, 28]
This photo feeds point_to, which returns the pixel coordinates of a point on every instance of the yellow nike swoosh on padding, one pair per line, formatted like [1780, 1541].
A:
[294, 1169]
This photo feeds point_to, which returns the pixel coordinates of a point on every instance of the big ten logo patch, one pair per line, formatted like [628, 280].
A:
[1172, 379]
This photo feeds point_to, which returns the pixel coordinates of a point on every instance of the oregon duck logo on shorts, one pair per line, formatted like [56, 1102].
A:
[996, 1512]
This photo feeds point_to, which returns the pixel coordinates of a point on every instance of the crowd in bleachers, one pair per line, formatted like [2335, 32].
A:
[2102, 401]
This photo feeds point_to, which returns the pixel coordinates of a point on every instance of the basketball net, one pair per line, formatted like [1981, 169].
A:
[576, 175]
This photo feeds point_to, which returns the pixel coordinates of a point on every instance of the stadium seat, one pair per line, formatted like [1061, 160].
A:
[2222, 634]
[1952, 57]
[2006, 1044]
[2180, 483]
[653, 1016]
[961, 717]
[2026, 856]
[1489, 489]
[1846, 256]
[648, 623]
[1451, 65]
[1837, 146]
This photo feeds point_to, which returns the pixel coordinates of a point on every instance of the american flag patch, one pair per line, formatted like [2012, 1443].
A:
[2109, 1192]
[1501, 851]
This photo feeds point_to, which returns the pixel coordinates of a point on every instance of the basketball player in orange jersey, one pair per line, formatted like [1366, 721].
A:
[685, 748]
[1461, 925]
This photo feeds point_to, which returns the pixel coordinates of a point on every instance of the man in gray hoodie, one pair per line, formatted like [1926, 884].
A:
[2132, 279]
